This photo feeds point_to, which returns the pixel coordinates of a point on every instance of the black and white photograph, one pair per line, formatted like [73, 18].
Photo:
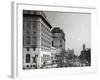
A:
[54, 39]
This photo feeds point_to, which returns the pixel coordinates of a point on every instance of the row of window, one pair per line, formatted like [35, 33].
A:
[28, 34]
[45, 41]
[30, 25]
[28, 58]
[28, 44]
[28, 41]
[45, 45]
[45, 32]
[45, 27]
[45, 58]
[27, 25]
[31, 19]
[44, 35]
[30, 31]
[45, 49]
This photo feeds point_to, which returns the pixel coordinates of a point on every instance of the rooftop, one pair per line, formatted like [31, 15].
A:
[38, 14]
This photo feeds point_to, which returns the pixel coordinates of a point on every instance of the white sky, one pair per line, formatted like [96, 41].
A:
[76, 27]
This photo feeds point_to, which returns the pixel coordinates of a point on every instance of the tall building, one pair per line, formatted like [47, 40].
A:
[58, 41]
[37, 40]
[85, 56]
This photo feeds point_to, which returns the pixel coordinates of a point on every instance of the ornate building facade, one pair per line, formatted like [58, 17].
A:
[37, 40]
[58, 41]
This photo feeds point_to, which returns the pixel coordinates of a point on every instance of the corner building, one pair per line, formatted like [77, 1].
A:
[36, 39]
[58, 41]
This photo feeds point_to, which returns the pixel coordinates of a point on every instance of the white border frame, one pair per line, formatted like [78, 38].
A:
[16, 69]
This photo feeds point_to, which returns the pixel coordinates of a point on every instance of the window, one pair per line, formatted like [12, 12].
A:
[27, 40]
[34, 26]
[28, 32]
[28, 49]
[28, 25]
[27, 58]
[28, 37]
[34, 37]
[52, 44]
[28, 43]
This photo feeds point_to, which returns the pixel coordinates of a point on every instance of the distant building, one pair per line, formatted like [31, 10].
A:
[58, 41]
[85, 55]
[70, 54]
[37, 40]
